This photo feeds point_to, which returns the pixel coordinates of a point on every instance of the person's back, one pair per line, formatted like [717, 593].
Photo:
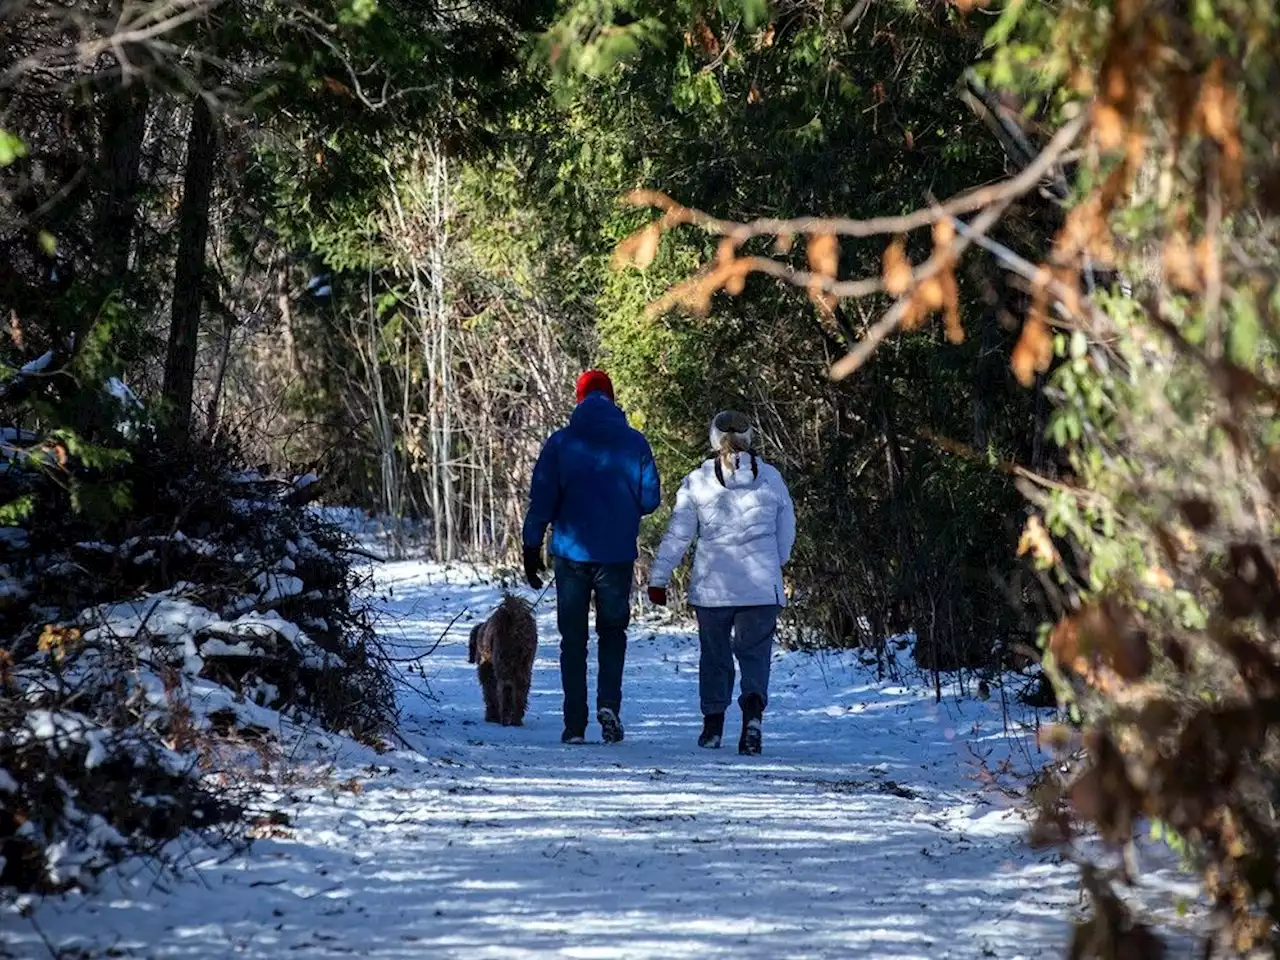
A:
[744, 534]
[740, 512]
[593, 482]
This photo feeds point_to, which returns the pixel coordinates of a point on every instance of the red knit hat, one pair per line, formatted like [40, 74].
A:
[594, 381]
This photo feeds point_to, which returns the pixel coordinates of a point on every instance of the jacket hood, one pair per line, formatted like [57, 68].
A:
[596, 414]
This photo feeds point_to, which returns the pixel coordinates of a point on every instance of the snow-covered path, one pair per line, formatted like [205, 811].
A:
[864, 830]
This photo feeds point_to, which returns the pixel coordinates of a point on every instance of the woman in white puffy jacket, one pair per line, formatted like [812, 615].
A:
[739, 510]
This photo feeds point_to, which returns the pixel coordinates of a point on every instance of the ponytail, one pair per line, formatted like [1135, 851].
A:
[731, 445]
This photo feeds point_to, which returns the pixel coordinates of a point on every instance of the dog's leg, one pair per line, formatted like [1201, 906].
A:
[509, 717]
[471, 645]
[489, 684]
[522, 703]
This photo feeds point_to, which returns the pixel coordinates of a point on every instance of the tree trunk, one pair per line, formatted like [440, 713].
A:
[123, 130]
[188, 273]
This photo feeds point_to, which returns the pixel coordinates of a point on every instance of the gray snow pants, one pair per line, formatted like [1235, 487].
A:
[728, 632]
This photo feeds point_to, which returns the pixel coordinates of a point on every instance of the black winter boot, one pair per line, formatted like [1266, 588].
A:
[610, 726]
[712, 731]
[750, 743]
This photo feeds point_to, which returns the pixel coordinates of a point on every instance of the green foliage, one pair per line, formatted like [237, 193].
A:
[12, 148]
[1165, 404]
[726, 111]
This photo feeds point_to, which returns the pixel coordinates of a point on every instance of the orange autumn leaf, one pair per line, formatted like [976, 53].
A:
[1035, 540]
[737, 281]
[1034, 350]
[914, 315]
[824, 254]
[1109, 638]
[57, 640]
[1108, 126]
[823, 251]
[1116, 87]
[1180, 267]
[951, 308]
[1068, 281]
[1218, 115]
[929, 295]
[1206, 257]
[898, 275]
[333, 85]
[1135, 149]
[1086, 229]
[1064, 641]
[1217, 104]
[1081, 80]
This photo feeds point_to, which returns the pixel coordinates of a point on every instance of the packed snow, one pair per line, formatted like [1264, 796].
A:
[877, 823]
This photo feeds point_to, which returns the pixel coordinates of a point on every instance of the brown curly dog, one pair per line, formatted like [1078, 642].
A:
[504, 647]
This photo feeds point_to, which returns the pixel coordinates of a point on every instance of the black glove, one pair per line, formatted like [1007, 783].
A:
[533, 566]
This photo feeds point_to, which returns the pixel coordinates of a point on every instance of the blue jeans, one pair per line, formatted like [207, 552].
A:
[609, 584]
[729, 632]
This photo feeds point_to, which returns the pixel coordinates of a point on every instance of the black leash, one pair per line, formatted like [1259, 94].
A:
[545, 590]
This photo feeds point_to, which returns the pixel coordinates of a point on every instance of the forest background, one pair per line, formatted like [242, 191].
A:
[997, 282]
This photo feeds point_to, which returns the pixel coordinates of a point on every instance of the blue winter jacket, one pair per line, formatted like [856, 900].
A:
[592, 483]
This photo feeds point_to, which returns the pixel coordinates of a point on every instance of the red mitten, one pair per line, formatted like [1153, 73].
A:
[658, 596]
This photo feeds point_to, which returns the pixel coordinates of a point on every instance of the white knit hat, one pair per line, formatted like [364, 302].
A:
[734, 426]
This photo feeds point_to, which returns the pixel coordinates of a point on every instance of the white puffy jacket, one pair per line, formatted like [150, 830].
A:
[745, 530]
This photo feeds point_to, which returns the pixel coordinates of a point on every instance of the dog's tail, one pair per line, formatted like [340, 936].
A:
[472, 644]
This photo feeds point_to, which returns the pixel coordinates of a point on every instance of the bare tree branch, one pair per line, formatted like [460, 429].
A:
[1017, 187]
[968, 202]
[139, 25]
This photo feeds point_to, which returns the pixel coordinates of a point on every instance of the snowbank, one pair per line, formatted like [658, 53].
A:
[171, 657]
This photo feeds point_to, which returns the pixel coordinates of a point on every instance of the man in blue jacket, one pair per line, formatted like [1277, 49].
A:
[592, 483]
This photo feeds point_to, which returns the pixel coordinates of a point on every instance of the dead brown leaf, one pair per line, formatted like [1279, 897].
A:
[824, 254]
[1180, 265]
[1035, 540]
[898, 275]
[1034, 350]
